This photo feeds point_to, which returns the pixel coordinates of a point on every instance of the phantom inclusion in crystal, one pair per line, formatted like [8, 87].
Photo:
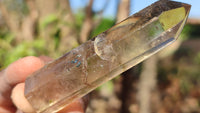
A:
[112, 52]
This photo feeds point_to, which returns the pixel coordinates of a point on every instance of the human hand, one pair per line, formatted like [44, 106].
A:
[12, 87]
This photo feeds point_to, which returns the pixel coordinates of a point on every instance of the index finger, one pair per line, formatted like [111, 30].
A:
[14, 74]
[19, 70]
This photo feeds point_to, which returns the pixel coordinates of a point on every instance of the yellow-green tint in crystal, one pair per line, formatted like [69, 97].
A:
[170, 18]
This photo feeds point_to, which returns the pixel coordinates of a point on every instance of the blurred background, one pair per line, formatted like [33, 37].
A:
[168, 82]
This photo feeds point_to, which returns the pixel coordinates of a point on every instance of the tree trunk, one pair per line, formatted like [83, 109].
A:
[23, 27]
[128, 88]
[147, 84]
[87, 24]
[11, 20]
[28, 27]
[123, 10]
[68, 33]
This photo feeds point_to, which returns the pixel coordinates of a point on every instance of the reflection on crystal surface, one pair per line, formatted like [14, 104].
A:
[106, 56]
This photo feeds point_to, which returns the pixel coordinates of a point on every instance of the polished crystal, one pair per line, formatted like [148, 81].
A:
[107, 55]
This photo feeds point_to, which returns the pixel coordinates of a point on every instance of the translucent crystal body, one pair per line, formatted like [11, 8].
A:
[112, 52]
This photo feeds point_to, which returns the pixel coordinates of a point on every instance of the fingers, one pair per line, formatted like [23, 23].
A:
[17, 72]
[19, 99]
[13, 74]
[20, 69]
[17, 95]
[21, 103]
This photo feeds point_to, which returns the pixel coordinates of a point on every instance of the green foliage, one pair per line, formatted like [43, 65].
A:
[108, 86]
[19, 51]
[10, 53]
[189, 78]
[5, 46]
[197, 58]
[48, 20]
[103, 26]
[79, 21]
[185, 32]
[190, 31]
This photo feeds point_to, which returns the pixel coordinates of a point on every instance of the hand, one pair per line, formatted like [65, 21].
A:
[12, 87]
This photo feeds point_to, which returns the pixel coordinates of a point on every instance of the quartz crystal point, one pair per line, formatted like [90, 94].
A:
[107, 55]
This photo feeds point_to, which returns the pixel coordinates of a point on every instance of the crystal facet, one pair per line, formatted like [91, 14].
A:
[107, 55]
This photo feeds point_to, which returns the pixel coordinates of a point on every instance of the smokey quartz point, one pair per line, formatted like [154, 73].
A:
[107, 55]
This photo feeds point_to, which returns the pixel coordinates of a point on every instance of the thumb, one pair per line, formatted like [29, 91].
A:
[19, 99]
